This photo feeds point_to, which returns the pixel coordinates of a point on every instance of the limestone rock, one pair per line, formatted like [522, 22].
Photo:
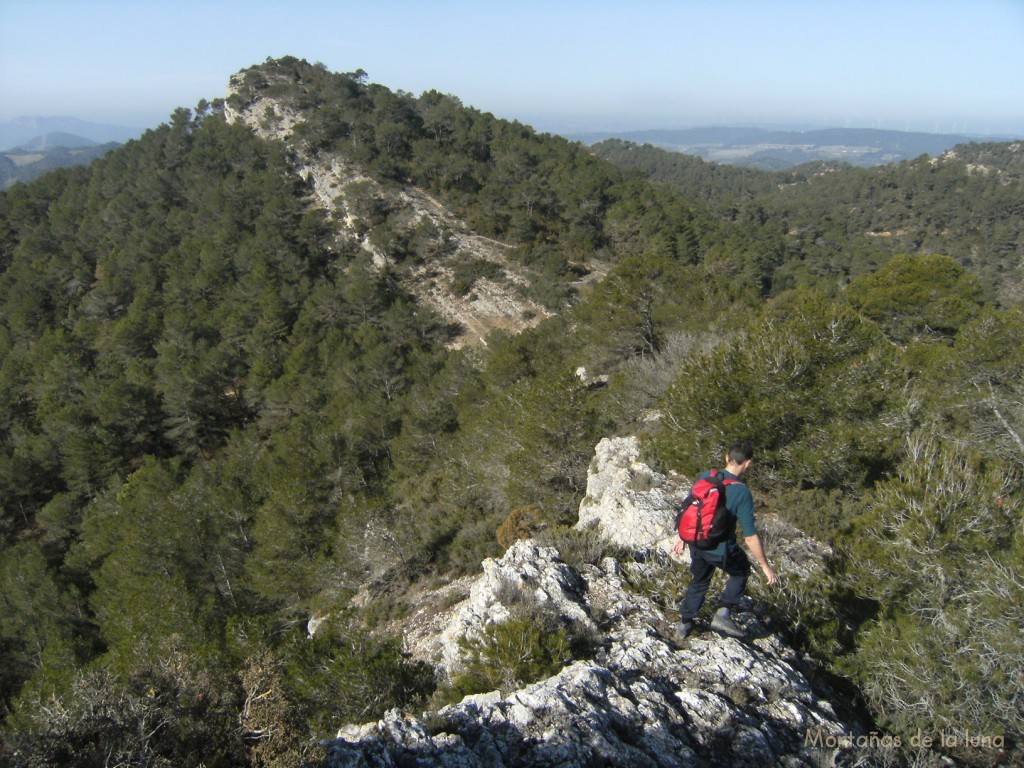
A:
[527, 568]
[642, 700]
[632, 505]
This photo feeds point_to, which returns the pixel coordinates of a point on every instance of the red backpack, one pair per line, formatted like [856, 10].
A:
[703, 520]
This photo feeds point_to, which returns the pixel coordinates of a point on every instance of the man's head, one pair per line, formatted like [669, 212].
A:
[739, 456]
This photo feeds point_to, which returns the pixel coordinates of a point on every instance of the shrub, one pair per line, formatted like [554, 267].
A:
[577, 547]
[511, 654]
[939, 550]
[343, 674]
[663, 581]
[466, 272]
[521, 523]
[817, 512]
[176, 711]
[532, 644]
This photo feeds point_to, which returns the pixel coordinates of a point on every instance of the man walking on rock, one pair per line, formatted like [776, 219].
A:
[728, 555]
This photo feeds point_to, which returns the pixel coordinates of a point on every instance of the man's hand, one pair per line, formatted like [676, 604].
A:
[754, 545]
[680, 547]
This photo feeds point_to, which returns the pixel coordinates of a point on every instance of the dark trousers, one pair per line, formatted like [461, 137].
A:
[734, 564]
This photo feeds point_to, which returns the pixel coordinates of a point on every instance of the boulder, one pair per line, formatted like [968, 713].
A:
[631, 505]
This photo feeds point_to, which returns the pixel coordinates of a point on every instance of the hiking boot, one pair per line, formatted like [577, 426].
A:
[724, 624]
[683, 629]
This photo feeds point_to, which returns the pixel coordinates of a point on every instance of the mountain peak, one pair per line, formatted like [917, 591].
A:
[56, 139]
[22, 130]
[486, 301]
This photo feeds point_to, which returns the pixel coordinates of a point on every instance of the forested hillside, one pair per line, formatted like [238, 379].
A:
[32, 161]
[830, 222]
[780, 149]
[225, 412]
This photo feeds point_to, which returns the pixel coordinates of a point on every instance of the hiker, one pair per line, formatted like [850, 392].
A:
[727, 555]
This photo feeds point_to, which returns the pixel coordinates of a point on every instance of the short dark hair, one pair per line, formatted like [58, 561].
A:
[740, 451]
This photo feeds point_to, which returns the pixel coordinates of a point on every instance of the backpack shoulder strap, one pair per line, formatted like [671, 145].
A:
[715, 477]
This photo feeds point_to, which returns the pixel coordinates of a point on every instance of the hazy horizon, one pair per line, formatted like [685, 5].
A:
[947, 66]
[569, 125]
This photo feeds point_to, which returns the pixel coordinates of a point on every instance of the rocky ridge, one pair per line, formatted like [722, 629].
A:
[632, 506]
[641, 697]
[336, 187]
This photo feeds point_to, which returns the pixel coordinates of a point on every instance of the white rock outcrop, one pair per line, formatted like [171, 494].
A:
[640, 697]
[643, 699]
[632, 505]
[535, 571]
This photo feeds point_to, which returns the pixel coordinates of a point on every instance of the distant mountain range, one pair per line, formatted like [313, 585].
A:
[27, 164]
[32, 146]
[54, 140]
[780, 149]
[20, 131]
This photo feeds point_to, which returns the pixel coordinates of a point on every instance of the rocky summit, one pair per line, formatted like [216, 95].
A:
[336, 184]
[642, 697]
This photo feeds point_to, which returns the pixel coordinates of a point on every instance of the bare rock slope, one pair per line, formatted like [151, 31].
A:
[338, 187]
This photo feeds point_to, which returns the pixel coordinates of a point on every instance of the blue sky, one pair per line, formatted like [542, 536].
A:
[932, 65]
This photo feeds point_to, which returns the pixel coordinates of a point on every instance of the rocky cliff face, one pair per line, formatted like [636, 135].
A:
[641, 698]
[337, 187]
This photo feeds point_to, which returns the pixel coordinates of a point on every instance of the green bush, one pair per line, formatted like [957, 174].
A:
[815, 511]
[939, 550]
[343, 674]
[467, 271]
[530, 645]
[914, 297]
[663, 582]
[511, 654]
[813, 386]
